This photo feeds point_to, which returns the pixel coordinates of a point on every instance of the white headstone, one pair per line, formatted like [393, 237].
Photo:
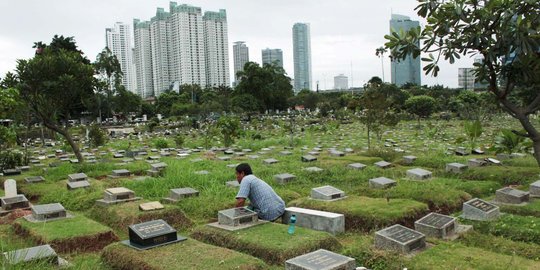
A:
[10, 188]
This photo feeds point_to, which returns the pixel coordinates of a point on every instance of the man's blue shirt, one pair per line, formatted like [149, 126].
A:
[262, 197]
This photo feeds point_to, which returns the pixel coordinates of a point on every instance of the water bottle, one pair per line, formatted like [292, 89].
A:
[292, 223]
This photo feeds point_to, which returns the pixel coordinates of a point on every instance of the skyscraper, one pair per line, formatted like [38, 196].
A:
[118, 40]
[143, 58]
[216, 46]
[159, 43]
[240, 57]
[406, 70]
[466, 78]
[341, 82]
[302, 56]
[270, 56]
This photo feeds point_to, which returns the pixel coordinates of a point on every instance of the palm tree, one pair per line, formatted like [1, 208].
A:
[380, 53]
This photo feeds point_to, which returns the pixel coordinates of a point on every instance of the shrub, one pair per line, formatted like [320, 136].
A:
[10, 159]
[179, 140]
[97, 136]
[161, 143]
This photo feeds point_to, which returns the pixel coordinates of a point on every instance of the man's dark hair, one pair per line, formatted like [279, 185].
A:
[244, 167]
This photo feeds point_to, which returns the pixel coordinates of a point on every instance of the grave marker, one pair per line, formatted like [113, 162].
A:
[34, 179]
[37, 254]
[316, 220]
[476, 162]
[308, 158]
[399, 238]
[78, 184]
[419, 174]
[436, 225]
[270, 161]
[381, 183]
[456, 167]
[15, 202]
[151, 234]
[356, 166]
[151, 206]
[10, 188]
[409, 159]
[313, 169]
[77, 177]
[47, 212]
[327, 193]
[383, 164]
[511, 196]
[284, 178]
[117, 195]
[321, 260]
[534, 189]
[477, 209]
[180, 193]
[236, 216]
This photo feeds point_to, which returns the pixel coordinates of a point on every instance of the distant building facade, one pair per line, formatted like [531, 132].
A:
[466, 78]
[118, 40]
[271, 56]
[341, 82]
[302, 56]
[240, 57]
[406, 70]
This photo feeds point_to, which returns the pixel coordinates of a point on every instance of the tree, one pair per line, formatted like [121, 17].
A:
[55, 83]
[126, 102]
[421, 106]
[379, 52]
[110, 74]
[377, 111]
[503, 32]
[230, 128]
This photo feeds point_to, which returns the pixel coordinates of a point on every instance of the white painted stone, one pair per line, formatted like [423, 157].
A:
[10, 188]
[316, 220]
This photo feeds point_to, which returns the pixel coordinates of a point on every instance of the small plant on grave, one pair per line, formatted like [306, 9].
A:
[179, 140]
[229, 127]
[473, 131]
[161, 143]
[96, 136]
[154, 122]
[507, 142]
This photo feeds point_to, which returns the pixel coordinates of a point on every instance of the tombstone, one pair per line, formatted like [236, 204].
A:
[37, 255]
[419, 174]
[313, 169]
[534, 189]
[381, 183]
[232, 184]
[493, 161]
[118, 155]
[456, 167]
[477, 209]
[270, 161]
[47, 212]
[151, 234]
[120, 173]
[180, 193]
[408, 160]
[319, 260]
[202, 172]
[284, 178]
[237, 216]
[477, 152]
[157, 169]
[253, 156]
[117, 195]
[511, 196]
[14, 202]
[27, 168]
[232, 165]
[308, 158]
[337, 153]
[10, 172]
[34, 179]
[224, 158]
[383, 164]
[399, 238]
[314, 153]
[150, 206]
[10, 188]
[436, 225]
[77, 185]
[316, 220]
[285, 153]
[356, 166]
[77, 177]
[461, 151]
[476, 162]
[327, 193]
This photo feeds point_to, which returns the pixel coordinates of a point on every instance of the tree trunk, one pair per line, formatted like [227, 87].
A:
[67, 136]
[533, 134]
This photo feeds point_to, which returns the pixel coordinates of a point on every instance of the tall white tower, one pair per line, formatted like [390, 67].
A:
[302, 56]
[118, 40]
[240, 56]
[159, 42]
[142, 57]
[216, 44]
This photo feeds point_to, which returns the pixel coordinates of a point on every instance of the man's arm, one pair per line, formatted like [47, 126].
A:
[240, 202]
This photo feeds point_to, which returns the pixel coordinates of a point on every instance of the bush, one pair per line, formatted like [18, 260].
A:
[10, 159]
[179, 140]
[97, 136]
[161, 143]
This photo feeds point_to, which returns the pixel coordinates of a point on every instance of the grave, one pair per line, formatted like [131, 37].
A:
[476, 162]
[10, 188]
[270, 161]
[456, 167]
[308, 158]
[381, 183]
[180, 193]
[232, 184]
[224, 158]
[118, 155]
[321, 259]
[419, 174]
[120, 173]
[285, 153]
[356, 166]
[157, 169]
[77, 185]
[436, 225]
[314, 153]
[327, 193]
[511, 196]
[337, 153]
[47, 212]
[9, 204]
[10, 172]
[150, 206]
[534, 189]
[399, 238]
[408, 160]
[77, 177]
[383, 164]
[236, 218]
[316, 220]
[313, 169]
[477, 152]
[477, 209]
[117, 195]
[151, 234]
[461, 151]
[253, 156]
[39, 254]
[284, 178]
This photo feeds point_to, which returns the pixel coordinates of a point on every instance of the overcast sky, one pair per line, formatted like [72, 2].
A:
[344, 33]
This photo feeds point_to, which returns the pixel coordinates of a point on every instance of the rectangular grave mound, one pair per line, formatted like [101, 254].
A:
[478, 209]
[284, 178]
[436, 225]
[333, 223]
[34, 179]
[77, 177]
[37, 254]
[46, 212]
[456, 167]
[409, 159]
[356, 166]
[121, 173]
[534, 189]
[308, 158]
[12, 203]
[400, 239]
[419, 174]
[9, 172]
[181, 193]
[270, 161]
[383, 164]
[77, 185]
[511, 196]
[381, 183]
[327, 193]
[117, 195]
[152, 234]
[237, 216]
[321, 259]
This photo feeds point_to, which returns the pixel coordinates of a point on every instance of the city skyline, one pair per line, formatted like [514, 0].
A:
[342, 41]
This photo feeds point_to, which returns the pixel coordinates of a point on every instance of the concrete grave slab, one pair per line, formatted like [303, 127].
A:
[356, 166]
[399, 238]
[436, 225]
[284, 178]
[478, 209]
[316, 220]
[151, 206]
[419, 174]
[77, 185]
[509, 195]
[327, 193]
[381, 183]
[321, 260]
[456, 167]
[180, 193]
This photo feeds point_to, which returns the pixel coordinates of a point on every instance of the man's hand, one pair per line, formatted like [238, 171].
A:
[240, 202]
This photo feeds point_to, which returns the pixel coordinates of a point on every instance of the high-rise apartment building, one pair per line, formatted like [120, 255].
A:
[271, 56]
[406, 70]
[118, 40]
[181, 47]
[240, 57]
[143, 58]
[466, 78]
[341, 82]
[302, 56]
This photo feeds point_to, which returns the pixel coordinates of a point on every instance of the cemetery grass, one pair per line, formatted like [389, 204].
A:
[531, 209]
[365, 214]
[189, 254]
[514, 227]
[501, 245]
[269, 241]
[78, 233]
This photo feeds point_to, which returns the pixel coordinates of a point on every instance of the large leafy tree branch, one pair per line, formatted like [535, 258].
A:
[506, 33]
